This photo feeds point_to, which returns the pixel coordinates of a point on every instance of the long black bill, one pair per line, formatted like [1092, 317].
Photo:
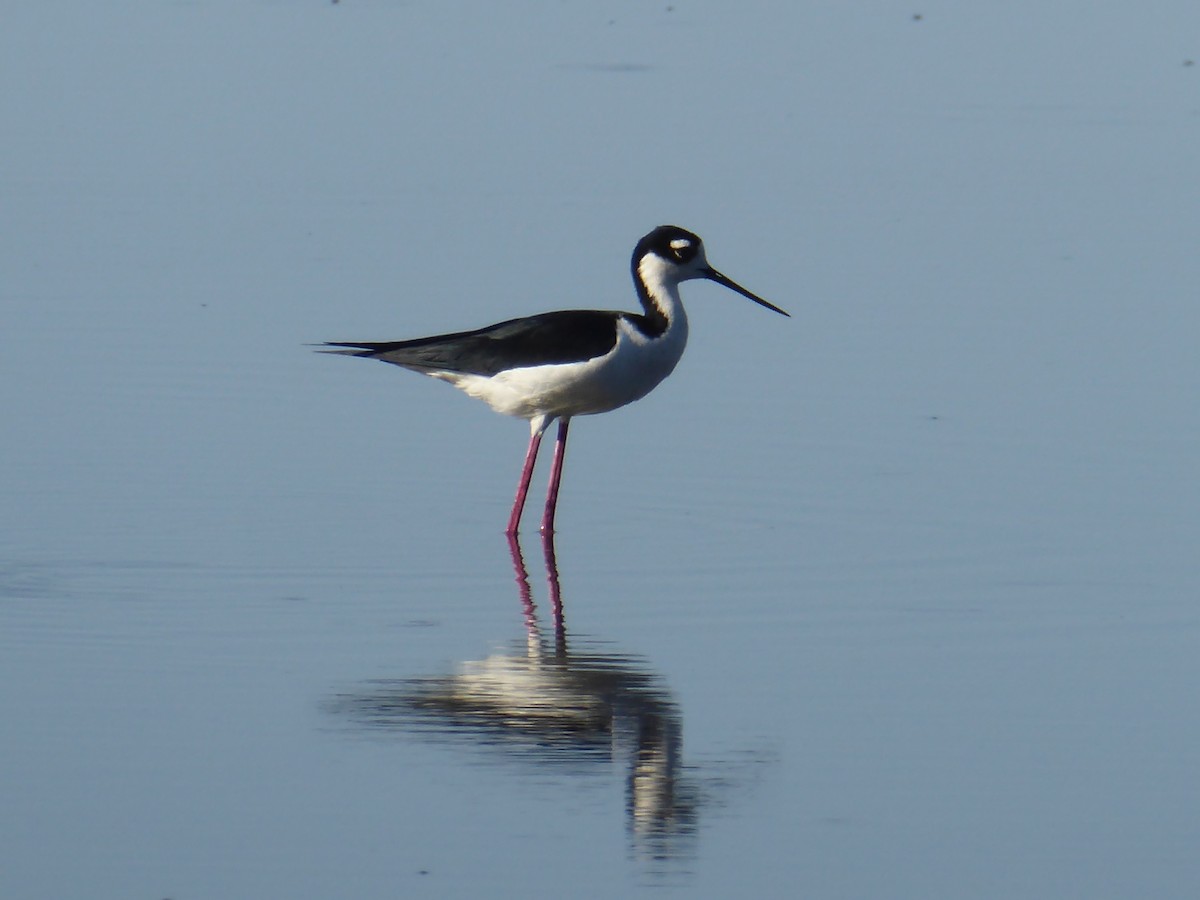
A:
[714, 275]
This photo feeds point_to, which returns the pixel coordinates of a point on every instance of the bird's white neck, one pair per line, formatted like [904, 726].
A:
[658, 289]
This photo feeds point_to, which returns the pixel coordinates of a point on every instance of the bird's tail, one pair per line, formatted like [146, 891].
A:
[351, 348]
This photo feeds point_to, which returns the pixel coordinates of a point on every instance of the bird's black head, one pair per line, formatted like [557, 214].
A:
[669, 255]
[670, 242]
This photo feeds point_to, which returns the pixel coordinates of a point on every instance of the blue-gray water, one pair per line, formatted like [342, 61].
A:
[894, 598]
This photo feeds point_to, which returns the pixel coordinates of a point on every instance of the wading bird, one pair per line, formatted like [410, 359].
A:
[558, 365]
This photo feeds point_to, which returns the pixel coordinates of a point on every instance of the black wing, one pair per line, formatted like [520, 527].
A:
[545, 339]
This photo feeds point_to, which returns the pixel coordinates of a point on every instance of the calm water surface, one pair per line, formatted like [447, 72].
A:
[895, 598]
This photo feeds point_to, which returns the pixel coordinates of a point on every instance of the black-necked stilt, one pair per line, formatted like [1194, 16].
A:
[557, 365]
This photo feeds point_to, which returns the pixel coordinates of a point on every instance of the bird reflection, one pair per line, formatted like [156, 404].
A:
[549, 704]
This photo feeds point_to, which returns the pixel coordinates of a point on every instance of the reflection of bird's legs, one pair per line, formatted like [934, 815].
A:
[523, 589]
[556, 607]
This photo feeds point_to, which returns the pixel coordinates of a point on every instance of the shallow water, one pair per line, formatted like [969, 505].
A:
[894, 598]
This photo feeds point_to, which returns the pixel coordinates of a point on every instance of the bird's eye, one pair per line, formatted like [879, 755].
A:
[681, 249]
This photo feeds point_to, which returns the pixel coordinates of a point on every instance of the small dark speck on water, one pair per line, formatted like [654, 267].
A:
[917, 17]
[1189, 62]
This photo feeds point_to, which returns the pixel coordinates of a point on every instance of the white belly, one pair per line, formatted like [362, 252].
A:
[628, 372]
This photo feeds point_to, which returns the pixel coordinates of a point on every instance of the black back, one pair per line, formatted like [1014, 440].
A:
[545, 339]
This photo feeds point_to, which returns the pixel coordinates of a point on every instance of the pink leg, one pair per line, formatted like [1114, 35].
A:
[514, 520]
[560, 448]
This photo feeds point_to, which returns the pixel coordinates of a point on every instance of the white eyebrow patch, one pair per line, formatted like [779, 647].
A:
[680, 243]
